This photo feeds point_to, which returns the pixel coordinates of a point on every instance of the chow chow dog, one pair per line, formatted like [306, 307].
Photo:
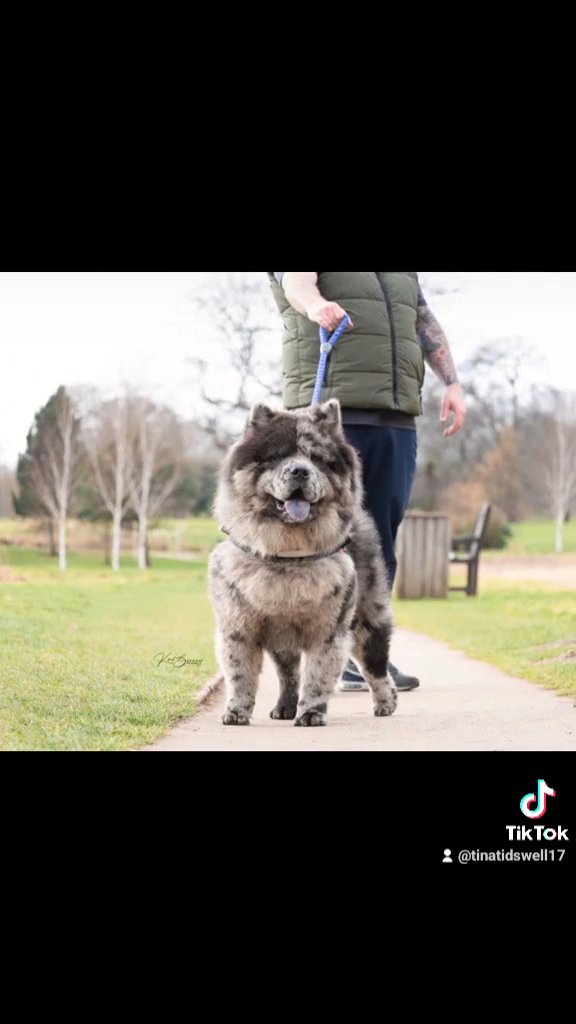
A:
[302, 571]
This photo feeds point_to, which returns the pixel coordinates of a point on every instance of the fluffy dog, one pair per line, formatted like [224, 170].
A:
[302, 571]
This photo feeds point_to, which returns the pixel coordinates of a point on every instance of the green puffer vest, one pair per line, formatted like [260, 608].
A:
[377, 365]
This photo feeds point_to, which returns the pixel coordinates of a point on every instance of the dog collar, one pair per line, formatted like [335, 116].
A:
[288, 556]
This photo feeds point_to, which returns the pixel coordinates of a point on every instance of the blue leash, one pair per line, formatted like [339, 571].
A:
[327, 344]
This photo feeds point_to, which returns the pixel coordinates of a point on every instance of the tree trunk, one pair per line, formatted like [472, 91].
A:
[106, 544]
[560, 532]
[52, 539]
[62, 544]
[143, 543]
[116, 541]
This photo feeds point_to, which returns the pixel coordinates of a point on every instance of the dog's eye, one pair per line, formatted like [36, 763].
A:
[317, 460]
[340, 464]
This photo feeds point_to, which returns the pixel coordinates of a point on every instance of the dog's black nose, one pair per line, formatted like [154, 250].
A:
[300, 472]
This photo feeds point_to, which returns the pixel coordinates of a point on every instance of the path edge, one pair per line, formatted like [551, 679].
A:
[212, 687]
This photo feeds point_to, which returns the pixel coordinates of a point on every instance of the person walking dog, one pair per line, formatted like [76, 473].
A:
[377, 375]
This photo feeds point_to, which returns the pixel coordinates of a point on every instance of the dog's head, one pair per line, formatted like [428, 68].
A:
[291, 480]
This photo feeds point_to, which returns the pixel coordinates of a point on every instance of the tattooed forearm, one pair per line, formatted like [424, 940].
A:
[435, 344]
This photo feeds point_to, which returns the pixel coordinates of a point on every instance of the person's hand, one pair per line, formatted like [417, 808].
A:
[327, 314]
[453, 402]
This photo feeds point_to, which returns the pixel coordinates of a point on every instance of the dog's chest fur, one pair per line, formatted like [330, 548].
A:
[292, 600]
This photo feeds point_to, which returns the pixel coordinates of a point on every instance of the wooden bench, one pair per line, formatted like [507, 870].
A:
[466, 551]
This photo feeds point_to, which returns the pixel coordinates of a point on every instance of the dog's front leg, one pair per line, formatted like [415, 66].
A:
[241, 662]
[323, 667]
[288, 668]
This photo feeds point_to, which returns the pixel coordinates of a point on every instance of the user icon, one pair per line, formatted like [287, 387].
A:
[447, 857]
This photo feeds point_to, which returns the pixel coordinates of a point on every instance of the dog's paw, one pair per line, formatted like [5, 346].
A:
[231, 717]
[386, 707]
[311, 719]
[284, 712]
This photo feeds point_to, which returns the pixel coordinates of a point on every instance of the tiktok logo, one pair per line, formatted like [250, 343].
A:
[530, 798]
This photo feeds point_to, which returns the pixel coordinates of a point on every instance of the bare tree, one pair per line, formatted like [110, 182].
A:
[110, 444]
[499, 399]
[236, 318]
[438, 283]
[556, 455]
[495, 380]
[55, 459]
[156, 466]
[7, 488]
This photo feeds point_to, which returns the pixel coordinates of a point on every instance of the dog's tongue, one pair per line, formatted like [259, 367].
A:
[298, 510]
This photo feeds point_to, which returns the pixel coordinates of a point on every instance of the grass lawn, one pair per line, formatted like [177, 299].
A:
[536, 537]
[77, 653]
[522, 629]
[198, 535]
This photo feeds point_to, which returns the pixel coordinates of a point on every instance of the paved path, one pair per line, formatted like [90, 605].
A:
[556, 571]
[462, 705]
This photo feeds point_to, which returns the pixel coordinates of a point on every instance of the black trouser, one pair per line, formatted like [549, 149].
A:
[389, 459]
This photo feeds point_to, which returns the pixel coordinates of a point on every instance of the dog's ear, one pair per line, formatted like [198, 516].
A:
[261, 415]
[328, 414]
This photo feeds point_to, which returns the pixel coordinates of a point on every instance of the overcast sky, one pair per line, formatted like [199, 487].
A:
[104, 327]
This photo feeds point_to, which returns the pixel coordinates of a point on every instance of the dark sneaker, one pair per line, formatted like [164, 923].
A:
[352, 680]
[403, 682]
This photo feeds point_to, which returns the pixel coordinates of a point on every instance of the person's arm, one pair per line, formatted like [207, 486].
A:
[439, 358]
[301, 290]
